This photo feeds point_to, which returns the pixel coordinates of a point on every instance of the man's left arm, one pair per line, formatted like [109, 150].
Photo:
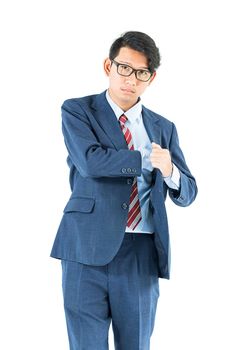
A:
[171, 162]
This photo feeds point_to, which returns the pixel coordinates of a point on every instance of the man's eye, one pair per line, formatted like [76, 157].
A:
[125, 67]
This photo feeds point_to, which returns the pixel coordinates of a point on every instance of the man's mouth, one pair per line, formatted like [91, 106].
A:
[129, 90]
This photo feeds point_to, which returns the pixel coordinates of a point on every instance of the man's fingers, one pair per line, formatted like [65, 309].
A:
[155, 145]
[157, 151]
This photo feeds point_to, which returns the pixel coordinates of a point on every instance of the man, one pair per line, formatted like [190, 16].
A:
[113, 239]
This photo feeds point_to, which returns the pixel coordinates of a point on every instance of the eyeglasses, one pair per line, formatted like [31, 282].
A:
[126, 71]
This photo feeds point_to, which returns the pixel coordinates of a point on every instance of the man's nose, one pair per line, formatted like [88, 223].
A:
[131, 79]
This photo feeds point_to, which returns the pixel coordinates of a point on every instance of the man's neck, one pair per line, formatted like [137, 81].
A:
[124, 106]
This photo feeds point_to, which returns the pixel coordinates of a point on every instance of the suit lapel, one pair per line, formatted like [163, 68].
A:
[151, 123]
[106, 118]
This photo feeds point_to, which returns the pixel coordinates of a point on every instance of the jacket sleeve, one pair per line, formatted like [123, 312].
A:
[87, 154]
[188, 188]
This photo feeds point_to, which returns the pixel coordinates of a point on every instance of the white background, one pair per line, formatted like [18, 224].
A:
[53, 50]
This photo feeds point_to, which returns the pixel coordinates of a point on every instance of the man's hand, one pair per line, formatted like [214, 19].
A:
[160, 158]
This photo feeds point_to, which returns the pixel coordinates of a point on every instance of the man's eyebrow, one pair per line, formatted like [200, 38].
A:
[129, 64]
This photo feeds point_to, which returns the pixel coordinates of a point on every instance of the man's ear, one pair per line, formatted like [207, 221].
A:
[152, 77]
[107, 66]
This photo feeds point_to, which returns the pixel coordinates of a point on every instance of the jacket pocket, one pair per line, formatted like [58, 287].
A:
[83, 205]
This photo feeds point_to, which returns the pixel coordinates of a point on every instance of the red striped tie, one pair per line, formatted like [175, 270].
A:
[134, 215]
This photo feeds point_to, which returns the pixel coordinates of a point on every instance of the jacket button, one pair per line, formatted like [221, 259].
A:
[123, 170]
[124, 206]
[129, 181]
[133, 170]
[129, 170]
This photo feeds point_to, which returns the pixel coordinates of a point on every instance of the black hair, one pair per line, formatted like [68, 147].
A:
[140, 42]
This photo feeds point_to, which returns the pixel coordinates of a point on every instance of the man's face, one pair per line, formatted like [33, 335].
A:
[125, 91]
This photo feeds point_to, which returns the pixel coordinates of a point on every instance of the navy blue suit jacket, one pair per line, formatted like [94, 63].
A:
[101, 167]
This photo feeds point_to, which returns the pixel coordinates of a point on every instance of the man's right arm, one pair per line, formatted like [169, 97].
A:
[88, 155]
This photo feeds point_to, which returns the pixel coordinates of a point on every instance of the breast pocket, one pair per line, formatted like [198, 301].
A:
[80, 204]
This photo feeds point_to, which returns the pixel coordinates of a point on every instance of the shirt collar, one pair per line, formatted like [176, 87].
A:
[134, 114]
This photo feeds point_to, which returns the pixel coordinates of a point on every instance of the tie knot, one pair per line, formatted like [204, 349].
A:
[123, 119]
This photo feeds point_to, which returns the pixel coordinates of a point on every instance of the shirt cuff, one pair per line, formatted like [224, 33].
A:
[173, 181]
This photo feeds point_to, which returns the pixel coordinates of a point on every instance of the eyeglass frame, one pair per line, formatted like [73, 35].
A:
[133, 71]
